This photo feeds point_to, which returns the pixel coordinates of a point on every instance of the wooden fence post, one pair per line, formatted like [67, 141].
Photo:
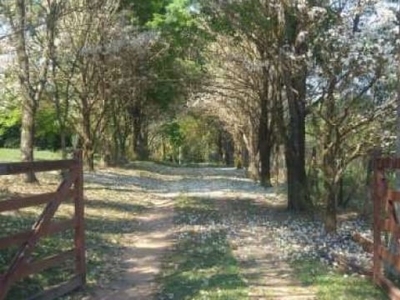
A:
[377, 198]
[79, 239]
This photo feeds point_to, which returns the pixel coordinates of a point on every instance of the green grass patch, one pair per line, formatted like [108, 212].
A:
[202, 265]
[332, 285]
[7, 155]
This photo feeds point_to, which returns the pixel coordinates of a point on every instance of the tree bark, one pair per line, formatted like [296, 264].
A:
[27, 137]
[253, 164]
[298, 198]
[29, 104]
[330, 214]
[140, 147]
[88, 155]
[229, 150]
[88, 145]
[265, 147]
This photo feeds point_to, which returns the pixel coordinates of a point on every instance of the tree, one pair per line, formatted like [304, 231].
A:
[32, 32]
[249, 26]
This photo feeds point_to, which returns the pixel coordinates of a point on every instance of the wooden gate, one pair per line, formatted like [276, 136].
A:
[385, 221]
[23, 264]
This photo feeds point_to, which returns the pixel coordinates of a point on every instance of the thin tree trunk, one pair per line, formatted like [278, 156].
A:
[139, 134]
[29, 104]
[229, 150]
[264, 132]
[253, 166]
[27, 137]
[298, 198]
[265, 161]
[331, 214]
[88, 147]
[88, 155]
[265, 146]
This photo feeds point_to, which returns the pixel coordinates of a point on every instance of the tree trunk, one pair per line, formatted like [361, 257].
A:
[264, 132]
[330, 214]
[88, 146]
[238, 151]
[106, 153]
[163, 150]
[265, 161]
[140, 147]
[229, 150]
[27, 137]
[298, 198]
[265, 148]
[253, 166]
[88, 155]
[63, 141]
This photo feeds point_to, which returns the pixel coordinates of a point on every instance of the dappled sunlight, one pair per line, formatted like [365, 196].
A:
[202, 234]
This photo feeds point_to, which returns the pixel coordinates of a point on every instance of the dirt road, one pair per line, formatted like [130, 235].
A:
[265, 273]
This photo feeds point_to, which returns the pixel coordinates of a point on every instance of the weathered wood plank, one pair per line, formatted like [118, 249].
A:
[28, 201]
[346, 265]
[387, 163]
[394, 260]
[392, 291]
[43, 264]
[393, 195]
[41, 225]
[366, 244]
[36, 166]
[379, 177]
[21, 265]
[21, 237]
[60, 290]
[79, 238]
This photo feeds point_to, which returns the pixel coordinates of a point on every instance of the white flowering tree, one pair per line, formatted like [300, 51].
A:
[350, 63]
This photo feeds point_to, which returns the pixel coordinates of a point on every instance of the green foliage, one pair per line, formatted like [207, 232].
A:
[143, 12]
[172, 131]
[200, 138]
[10, 123]
[47, 129]
[196, 137]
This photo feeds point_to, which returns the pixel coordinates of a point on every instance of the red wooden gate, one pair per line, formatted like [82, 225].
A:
[385, 220]
[23, 264]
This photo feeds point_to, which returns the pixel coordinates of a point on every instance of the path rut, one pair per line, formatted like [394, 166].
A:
[267, 276]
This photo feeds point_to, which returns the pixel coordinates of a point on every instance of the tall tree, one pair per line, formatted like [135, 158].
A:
[32, 25]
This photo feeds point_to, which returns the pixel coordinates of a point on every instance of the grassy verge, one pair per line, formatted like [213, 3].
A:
[7, 155]
[331, 285]
[202, 265]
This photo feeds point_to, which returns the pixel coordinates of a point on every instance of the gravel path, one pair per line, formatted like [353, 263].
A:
[264, 237]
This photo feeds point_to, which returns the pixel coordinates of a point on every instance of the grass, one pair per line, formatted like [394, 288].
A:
[332, 285]
[12, 155]
[202, 265]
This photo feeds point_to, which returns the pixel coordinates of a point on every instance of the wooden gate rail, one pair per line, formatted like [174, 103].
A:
[22, 265]
[385, 220]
